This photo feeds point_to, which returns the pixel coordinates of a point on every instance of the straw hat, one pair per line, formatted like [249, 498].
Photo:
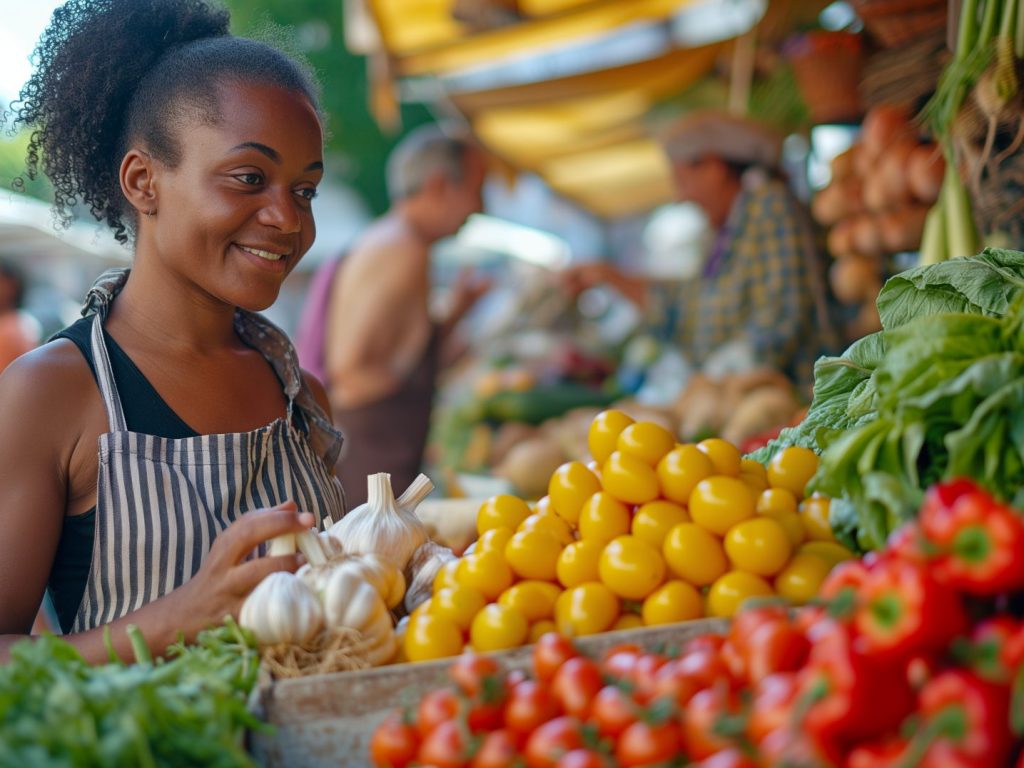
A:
[713, 132]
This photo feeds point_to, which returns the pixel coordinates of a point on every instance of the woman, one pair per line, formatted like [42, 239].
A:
[205, 150]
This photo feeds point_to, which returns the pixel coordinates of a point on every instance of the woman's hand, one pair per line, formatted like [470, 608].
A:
[226, 578]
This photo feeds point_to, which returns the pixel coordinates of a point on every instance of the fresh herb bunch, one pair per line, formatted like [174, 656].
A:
[187, 709]
[937, 394]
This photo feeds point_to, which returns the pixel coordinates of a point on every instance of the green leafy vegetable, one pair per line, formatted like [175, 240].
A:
[58, 710]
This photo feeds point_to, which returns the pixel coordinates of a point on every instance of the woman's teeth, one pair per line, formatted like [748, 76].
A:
[262, 254]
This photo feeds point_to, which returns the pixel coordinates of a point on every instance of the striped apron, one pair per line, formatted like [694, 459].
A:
[160, 502]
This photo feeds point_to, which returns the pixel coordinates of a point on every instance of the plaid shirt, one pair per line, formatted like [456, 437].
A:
[762, 285]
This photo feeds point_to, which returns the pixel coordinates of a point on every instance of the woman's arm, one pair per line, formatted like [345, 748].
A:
[46, 411]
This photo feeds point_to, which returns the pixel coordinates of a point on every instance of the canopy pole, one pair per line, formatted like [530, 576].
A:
[741, 76]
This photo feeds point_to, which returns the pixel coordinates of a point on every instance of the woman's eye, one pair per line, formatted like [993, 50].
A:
[250, 179]
[308, 193]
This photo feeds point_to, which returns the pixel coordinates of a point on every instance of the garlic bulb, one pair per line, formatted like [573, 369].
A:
[282, 609]
[381, 526]
[351, 602]
[423, 566]
[331, 546]
[372, 569]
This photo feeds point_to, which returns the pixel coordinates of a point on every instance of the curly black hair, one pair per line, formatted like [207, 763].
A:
[110, 73]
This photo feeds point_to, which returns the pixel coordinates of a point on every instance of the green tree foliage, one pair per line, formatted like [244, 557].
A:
[357, 147]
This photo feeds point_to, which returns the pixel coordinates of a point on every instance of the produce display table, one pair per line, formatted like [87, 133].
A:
[327, 720]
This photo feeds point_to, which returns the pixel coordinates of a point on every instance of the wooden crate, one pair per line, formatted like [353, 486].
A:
[327, 720]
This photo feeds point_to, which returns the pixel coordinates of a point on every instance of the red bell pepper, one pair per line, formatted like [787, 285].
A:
[845, 695]
[905, 611]
[977, 543]
[882, 754]
[994, 650]
[964, 723]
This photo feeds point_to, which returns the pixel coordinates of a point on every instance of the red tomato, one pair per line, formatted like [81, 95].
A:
[776, 646]
[619, 661]
[672, 683]
[550, 652]
[646, 744]
[470, 671]
[438, 706]
[613, 711]
[497, 750]
[701, 716]
[644, 676]
[485, 716]
[704, 667]
[582, 758]
[728, 758]
[712, 643]
[575, 685]
[791, 746]
[394, 743]
[772, 706]
[742, 627]
[551, 741]
[444, 747]
[530, 705]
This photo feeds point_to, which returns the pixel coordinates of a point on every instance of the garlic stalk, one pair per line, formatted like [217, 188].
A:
[282, 545]
[417, 491]
[310, 546]
[381, 526]
[282, 609]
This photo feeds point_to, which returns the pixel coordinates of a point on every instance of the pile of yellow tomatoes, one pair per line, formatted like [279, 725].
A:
[650, 532]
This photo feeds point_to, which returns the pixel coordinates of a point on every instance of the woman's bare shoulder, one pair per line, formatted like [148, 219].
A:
[51, 387]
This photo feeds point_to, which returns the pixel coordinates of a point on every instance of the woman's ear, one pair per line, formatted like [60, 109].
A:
[138, 181]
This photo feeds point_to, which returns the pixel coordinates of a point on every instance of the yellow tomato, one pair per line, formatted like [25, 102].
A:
[458, 605]
[430, 637]
[421, 609]
[655, 519]
[502, 511]
[495, 539]
[604, 432]
[631, 567]
[694, 554]
[730, 591]
[672, 602]
[756, 483]
[680, 471]
[533, 554]
[720, 502]
[543, 506]
[759, 545]
[831, 552]
[535, 600]
[603, 518]
[800, 581]
[776, 500]
[586, 609]
[551, 523]
[447, 575]
[646, 440]
[540, 628]
[486, 572]
[751, 467]
[578, 562]
[629, 479]
[724, 455]
[570, 486]
[628, 621]
[791, 468]
[814, 515]
[791, 523]
[498, 627]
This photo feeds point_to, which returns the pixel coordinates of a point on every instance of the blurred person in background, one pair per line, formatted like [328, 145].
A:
[367, 329]
[762, 284]
[19, 331]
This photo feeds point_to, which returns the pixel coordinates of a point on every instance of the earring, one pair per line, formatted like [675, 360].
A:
[150, 213]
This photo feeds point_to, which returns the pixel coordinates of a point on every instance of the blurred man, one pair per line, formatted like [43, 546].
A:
[761, 288]
[378, 349]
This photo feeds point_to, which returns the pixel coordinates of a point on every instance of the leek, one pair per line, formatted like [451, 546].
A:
[961, 237]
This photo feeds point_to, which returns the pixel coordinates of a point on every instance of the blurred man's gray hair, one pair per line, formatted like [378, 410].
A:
[426, 150]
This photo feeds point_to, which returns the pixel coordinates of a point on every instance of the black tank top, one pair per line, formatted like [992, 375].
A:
[146, 412]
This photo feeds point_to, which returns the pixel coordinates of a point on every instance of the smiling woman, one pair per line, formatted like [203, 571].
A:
[204, 151]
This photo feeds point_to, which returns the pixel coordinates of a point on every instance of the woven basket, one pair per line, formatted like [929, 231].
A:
[827, 67]
[897, 22]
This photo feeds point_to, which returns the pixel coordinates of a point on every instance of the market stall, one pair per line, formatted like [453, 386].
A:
[647, 585]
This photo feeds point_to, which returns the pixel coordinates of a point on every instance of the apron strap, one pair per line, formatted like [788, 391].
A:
[98, 302]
